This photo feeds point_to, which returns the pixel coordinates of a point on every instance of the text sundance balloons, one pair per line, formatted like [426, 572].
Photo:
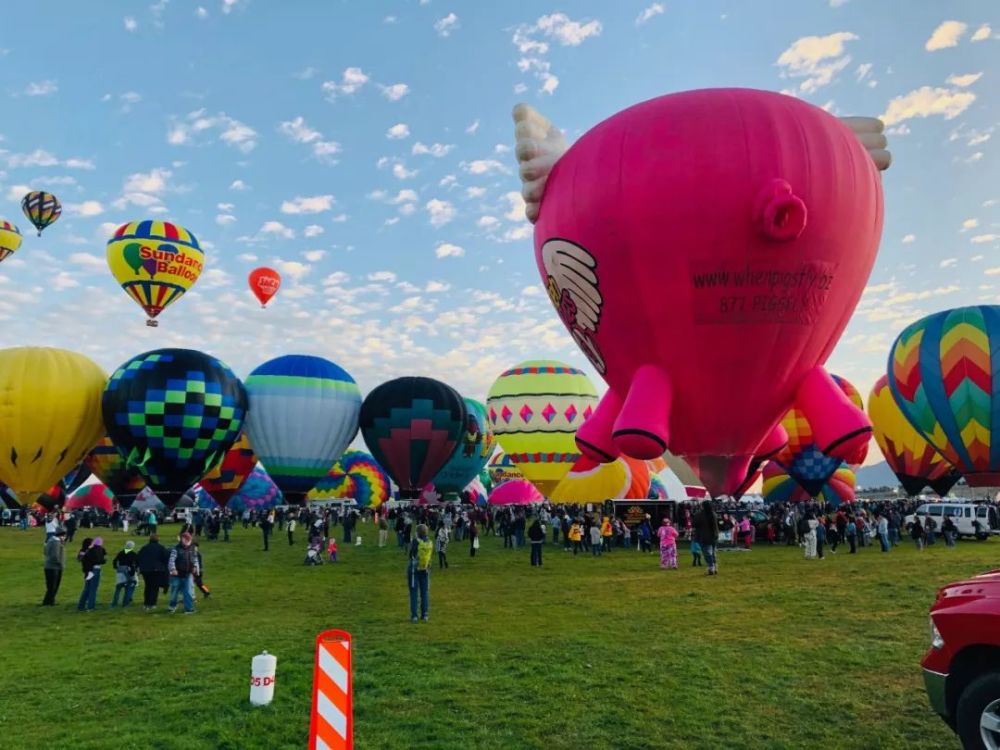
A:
[501, 469]
[912, 459]
[411, 426]
[736, 243]
[41, 208]
[225, 478]
[780, 487]
[303, 415]
[173, 414]
[535, 409]
[264, 283]
[91, 496]
[472, 453]
[155, 262]
[50, 415]
[108, 465]
[356, 475]
[946, 381]
[10, 239]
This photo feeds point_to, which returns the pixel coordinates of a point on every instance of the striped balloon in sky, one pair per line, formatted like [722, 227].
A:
[941, 374]
[41, 208]
[303, 415]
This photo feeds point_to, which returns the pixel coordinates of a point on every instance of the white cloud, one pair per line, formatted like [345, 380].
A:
[448, 250]
[64, 280]
[964, 80]
[238, 186]
[398, 131]
[440, 212]
[41, 158]
[130, 24]
[153, 182]
[531, 291]
[448, 181]
[292, 268]
[313, 230]
[306, 73]
[445, 26]
[314, 256]
[89, 262]
[201, 13]
[816, 59]
[225, 219]
[531, 43]
[484, 166]
[248, 257]
[394, 92]
[230, 131]
[299, 131]
[388, 276]
[434, 287]
[969, 224]
[946, 35]
[473, 127]
[982, 33]
[652, 11]
[837, 3]
[927, 101]
[278, 229]
[400, 171]
[516, 203]
[948, 263]
[981, 238]
[87, 208]
[41, 88]
[435, 149]
[404, 196]
[308, 205]
[351, 81]
[516, 234]
[475, 192]
[488, 222]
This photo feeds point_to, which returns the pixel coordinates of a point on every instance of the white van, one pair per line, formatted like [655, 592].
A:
[963, 514]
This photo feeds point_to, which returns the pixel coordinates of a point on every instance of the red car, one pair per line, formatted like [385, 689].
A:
[962, 667]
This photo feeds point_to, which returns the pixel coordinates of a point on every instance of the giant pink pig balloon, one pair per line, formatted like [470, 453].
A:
[706, 250]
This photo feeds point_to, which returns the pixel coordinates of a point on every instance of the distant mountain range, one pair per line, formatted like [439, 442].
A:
[876, 475]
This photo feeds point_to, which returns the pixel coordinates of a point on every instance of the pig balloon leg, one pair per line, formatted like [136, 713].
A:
[594, 438]
[840, 429]
[642, 428]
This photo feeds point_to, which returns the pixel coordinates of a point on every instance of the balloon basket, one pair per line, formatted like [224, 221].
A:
[152, 323]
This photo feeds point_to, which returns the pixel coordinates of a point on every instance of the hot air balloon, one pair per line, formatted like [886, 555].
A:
[515, 492]
[472, 453]
[780, 487]
[108, 465]
[657, 489]
[225, 478]
[591, 482]
[535, 409]
[91, 496]
[356, 475]
[41, 208]
[155, 262]
[700, 237]
[75, 477]
[303, 415]
[264, 283]
[173, 414]
[10, 239]
[914, 462]
[500, 469]
[942, 377]
[412, 426]
[257, 493]
[50, 415]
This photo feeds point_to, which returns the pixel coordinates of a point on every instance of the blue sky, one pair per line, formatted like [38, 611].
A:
[362, 148]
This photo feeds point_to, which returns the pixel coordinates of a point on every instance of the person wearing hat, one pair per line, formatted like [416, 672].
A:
[183, 567]
[55, 561]
[126, 565]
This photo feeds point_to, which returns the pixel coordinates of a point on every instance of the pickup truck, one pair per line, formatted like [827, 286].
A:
[962, 666]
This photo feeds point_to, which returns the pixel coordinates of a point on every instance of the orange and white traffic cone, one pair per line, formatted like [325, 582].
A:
[331, 726]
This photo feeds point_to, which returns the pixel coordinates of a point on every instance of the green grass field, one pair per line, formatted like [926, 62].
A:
[775, 652]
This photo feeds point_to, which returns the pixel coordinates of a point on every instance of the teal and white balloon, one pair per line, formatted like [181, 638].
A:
[473, 451]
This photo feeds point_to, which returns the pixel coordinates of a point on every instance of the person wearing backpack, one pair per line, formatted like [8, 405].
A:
[418, 572]
[183, 567]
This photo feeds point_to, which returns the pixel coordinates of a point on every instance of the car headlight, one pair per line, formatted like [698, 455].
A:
[937, 641]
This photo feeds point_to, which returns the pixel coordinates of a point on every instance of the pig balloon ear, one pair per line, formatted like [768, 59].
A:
[538, 145]
[869, 132]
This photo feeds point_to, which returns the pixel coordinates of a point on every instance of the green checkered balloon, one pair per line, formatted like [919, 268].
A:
[173, 414]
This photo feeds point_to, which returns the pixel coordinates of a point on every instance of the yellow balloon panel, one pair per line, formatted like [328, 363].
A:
[50, 415]
[590, 483]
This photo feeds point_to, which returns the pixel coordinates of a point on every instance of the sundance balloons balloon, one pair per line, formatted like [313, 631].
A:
[943, 378]
[912, 459]
[155, 262]
[108, 465]
[41, 208]
[357, 476]
[703, 237]
[303, 415]
[535, 409]
[471, 454]
[50, 415]
[412, 426]
[501, 469]
[10, 239]
[780, 487]
[173, 414]
[264, 283]
[225, 478]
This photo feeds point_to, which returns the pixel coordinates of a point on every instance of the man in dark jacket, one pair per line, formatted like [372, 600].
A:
[706, 532]
[152, 561]
[55, 561]
[183, 567]
[536, 535]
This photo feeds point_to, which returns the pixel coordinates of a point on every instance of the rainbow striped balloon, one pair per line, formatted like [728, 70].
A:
[781, 487]
[940, 373]
[356, 475]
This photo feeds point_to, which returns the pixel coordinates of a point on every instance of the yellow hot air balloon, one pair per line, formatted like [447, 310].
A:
[50, 415]
[10, 239]
[591, 482]
[535, 409]
[155, 262]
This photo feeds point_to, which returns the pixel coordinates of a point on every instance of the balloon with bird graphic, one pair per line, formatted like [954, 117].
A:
[264, 283]
[173, 414]
[108, 465]
[155, 262]
[10, 239]
[412, 426]
[225, 478]
[472, 453]
[41, 208]
[50, 415]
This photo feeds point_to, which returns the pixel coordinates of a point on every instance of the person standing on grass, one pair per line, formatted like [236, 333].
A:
[556, 527]
[606, 533]
[695, 554]
[291, 530]
[92, 557]
[575, 536]
[55, 561]
[266, 524]
[227, 525]
[536, 537]
[645, 534]
[949, 531]
[418, 573]
[567, 526]
[820, 536]
[668, 544]
[809, 537]
[442, 546]
[917, 533]
[882, 528]
[126, 565]
[152, 560]
[183, 567]
[383, 530]
[595, 540]
[706, 533]
[473, 538]
[851, 532]
[930, 529]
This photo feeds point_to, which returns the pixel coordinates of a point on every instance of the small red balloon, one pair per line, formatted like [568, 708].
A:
[264, 283]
